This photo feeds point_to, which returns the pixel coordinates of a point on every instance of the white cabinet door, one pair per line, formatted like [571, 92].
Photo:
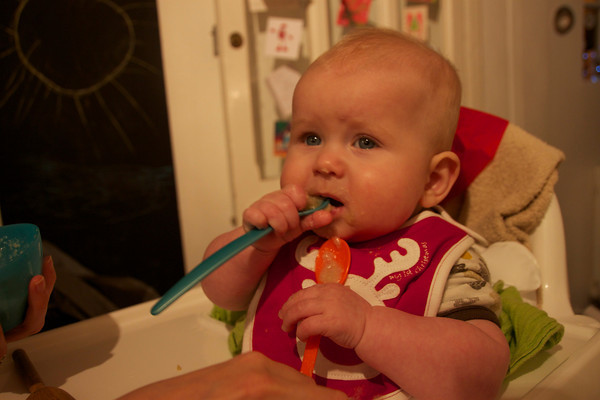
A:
[194, 99]
[250, 111]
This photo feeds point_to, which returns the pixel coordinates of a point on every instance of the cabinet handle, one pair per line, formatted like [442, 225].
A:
[236, 39]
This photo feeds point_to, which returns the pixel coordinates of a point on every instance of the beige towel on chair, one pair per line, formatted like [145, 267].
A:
[511, 195]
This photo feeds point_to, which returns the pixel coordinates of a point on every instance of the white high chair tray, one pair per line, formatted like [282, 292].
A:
[108, 356]
[569, 370]
[105, 357]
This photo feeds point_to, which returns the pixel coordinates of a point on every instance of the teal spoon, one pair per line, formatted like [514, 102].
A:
[215, 260]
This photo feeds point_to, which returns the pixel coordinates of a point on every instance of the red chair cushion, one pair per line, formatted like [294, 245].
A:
[477, 138]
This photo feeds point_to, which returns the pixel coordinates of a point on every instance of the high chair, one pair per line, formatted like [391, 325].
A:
[107, 356]
[568, 370]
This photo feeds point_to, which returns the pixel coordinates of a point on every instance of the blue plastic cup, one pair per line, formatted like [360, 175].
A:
[20, 260]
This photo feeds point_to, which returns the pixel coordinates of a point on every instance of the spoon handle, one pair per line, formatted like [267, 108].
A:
[207, 266]
[310, 355]
[215, 260]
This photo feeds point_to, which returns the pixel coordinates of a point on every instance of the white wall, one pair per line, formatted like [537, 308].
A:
[515, 65]
[195, 104]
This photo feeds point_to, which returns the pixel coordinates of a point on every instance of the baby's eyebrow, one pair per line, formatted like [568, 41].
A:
[300, 122]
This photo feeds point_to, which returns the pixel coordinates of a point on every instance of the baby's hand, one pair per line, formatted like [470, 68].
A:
[328, 309]
[279, 210]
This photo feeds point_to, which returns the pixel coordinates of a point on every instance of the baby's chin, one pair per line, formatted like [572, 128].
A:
[343, 232]
[330, 231]
[349, 233]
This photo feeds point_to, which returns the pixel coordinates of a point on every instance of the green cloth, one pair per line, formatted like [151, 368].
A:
[528, 329]
[236, 321]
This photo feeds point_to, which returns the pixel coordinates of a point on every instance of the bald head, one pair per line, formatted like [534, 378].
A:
[402, 57]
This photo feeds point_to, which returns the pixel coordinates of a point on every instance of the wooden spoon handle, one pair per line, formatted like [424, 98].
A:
[310, 355]
[27, 371]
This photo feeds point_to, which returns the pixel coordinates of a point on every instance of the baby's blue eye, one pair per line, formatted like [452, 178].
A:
[312, 140]
[365, 143]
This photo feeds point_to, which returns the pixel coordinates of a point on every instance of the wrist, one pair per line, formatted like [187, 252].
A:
[377, 324]
[368, 323]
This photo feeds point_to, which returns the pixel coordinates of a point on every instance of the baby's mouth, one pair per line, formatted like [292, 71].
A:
[335, 203]
[315, 200]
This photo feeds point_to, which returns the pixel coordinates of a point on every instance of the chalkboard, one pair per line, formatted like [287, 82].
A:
[84, 143]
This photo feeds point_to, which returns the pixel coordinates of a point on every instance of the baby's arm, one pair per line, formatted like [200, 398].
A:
[434, 357]
[429, 357]
[233, 284]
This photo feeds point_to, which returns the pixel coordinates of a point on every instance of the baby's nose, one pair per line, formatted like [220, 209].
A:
[330, 162]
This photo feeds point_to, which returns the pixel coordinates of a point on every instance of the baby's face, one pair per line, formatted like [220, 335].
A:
[357, 139]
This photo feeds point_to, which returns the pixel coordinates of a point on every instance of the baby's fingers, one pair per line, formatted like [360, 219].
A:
[265, 213]
[328, 309]
[316, 220]
[277, 209]
[311, 311]
[40, 288]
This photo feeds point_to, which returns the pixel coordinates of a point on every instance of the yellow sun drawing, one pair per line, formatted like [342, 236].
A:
[81, 61]
[85, 150]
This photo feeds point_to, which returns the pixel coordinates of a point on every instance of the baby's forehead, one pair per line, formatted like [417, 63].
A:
[398, 59]
[393, 60]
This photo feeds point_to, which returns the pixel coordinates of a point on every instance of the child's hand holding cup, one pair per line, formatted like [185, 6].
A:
[20, 260]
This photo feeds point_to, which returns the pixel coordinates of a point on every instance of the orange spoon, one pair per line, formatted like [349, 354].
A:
[331, 266]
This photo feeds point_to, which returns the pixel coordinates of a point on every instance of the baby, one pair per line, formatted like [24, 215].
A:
[372, 126]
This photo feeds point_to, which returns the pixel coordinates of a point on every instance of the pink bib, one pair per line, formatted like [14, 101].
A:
[406, 270]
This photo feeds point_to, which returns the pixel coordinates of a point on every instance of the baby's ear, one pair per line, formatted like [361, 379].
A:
[443, 172]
